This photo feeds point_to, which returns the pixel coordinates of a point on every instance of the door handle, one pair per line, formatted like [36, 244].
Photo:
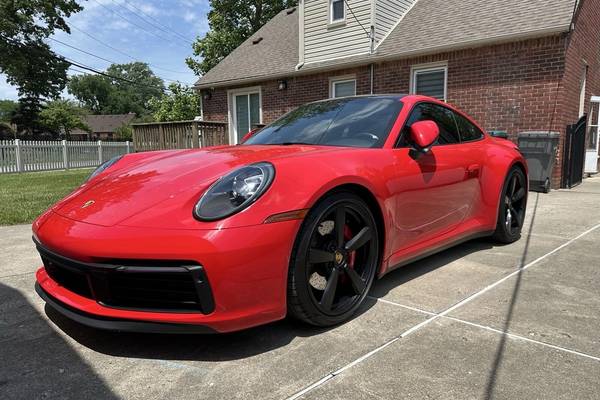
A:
[472, 171]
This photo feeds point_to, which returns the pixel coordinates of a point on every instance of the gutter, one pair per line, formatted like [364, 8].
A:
[305, 69]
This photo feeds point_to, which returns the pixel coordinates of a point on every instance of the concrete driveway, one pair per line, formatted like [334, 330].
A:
[476, 321]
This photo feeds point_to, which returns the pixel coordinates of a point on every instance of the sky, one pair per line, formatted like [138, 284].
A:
[137, 30]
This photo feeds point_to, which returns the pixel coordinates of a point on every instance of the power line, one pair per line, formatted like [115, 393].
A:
[157, 25]
[83, 51]
[119, 78]
[102, 58]
[120, 51]
[71, 62]
[131, 22]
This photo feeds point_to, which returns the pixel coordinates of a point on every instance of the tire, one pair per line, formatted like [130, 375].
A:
[512, 207]
[325, 261]
[546, 188]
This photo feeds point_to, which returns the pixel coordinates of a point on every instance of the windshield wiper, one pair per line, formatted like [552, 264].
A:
[293, 143]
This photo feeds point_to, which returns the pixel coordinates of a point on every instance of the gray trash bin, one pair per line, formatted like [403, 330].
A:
[539, 149]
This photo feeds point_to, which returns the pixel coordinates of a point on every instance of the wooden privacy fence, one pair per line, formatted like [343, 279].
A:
[26, 156]
[179, 135]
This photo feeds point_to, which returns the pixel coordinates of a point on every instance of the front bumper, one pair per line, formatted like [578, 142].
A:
[118, 324]
[246, 268]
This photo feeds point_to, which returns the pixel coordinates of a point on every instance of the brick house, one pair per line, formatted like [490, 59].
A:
[103, 127]
[513, 65]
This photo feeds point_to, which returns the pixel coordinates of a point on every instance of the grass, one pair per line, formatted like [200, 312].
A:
[25, 196]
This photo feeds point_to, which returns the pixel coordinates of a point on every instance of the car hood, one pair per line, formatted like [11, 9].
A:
[180, 175]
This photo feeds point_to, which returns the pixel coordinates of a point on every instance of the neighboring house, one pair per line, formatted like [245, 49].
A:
[103, 126]
[513, 65]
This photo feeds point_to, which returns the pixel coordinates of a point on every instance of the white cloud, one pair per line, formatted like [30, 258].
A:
[190, 17]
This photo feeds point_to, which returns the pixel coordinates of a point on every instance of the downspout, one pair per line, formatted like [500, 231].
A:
[371, 51]
[372, 70]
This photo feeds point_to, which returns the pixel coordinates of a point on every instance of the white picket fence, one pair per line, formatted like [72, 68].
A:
[28, 156]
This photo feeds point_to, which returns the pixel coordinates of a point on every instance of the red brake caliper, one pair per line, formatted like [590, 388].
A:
[352, 255]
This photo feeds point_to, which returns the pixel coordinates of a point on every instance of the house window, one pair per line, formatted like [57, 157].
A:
[337, 11]
[430, 81]
[342, 87]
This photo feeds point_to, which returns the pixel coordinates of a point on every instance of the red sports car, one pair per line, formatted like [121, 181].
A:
[298, 220]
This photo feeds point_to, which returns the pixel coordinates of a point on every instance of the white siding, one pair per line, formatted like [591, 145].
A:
[323, 42]
[387, 15]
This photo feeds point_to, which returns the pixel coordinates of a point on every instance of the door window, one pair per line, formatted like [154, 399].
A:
[440, 115]
[468, 131]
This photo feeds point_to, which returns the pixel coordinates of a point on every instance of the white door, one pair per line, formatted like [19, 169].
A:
[591, 152]
[245, 112]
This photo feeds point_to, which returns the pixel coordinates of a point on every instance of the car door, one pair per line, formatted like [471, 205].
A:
[432, 192]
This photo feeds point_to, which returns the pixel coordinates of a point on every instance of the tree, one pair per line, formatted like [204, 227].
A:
[231, 22]
[182, 103]
[7, 110]
[26, 117]
[27, 60]
[62, 117]
[129, 88]
[92, 91]
[6, 131]
[124, 132]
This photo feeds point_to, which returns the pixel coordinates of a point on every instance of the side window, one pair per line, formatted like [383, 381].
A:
[433, 112]
[468, 131]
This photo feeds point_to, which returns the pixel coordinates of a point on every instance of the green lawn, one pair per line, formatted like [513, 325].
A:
[25, 196]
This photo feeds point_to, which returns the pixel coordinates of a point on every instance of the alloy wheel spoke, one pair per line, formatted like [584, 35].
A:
[330, 289]
[513, 186]
[340, 223]
[519, 195]
[316, 256]
[520, 215]
[357, 282]
[515, 215]
[359, 240]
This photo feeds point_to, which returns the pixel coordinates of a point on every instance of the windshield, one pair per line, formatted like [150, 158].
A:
[350, 122]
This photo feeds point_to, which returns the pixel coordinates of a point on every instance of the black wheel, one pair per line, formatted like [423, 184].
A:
[546, 187]
[334, 261]
[511, 211]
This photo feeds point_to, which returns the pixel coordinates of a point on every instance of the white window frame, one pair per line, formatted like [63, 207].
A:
[340, 79]
[340, 20]
[431, 67]
[231, 93]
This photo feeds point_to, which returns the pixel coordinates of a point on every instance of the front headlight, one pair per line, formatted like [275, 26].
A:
[235, 191]
[104, 166]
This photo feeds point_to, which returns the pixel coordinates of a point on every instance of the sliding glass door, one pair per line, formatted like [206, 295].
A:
[245, 113]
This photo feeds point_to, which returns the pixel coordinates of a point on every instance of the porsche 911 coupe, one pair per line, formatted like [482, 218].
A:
[298, 220]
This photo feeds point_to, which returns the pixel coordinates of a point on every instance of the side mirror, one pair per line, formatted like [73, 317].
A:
[423, 135]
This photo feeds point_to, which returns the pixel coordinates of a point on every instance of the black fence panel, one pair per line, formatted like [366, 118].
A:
[574, 154]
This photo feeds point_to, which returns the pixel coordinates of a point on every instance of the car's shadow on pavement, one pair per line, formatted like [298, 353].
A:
[210, 347]
[35, 361]
[429, 264]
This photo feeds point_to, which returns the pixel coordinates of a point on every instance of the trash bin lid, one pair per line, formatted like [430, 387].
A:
[499, 134]
[539, 134]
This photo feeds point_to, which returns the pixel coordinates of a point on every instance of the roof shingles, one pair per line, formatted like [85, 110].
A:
[430, 26]
[276, 53]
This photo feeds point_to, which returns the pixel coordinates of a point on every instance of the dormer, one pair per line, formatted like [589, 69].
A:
[331, 29]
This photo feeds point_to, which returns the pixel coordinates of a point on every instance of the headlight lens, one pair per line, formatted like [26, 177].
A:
[103, 167]
[234, 192]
